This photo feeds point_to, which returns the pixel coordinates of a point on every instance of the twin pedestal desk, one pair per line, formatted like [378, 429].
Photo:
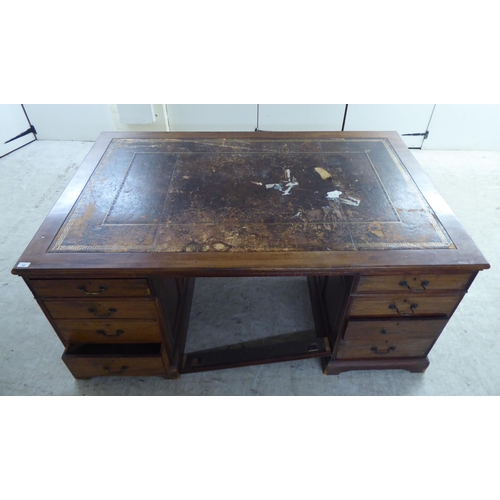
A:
[114, 264]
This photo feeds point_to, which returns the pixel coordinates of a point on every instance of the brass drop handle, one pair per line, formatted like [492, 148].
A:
[312, 348]
[118, 372]
[383, 352]
[105, 334]
[423, 284]
[412, 308]
[111, 310]
[83, 288]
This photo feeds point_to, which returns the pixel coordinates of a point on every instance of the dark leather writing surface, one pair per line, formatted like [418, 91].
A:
[250, 195]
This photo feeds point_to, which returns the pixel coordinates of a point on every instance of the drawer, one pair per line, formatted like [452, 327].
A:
[396, 338]
[414, 283]
[95, 331]
[102, 309]
[404, 347]
[96, 360]
[394, 329]
[404, 305]
[91, 288]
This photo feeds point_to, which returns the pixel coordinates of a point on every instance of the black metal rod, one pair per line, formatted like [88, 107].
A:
[345, 116]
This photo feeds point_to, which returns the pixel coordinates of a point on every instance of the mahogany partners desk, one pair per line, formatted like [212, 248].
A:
[114, 263]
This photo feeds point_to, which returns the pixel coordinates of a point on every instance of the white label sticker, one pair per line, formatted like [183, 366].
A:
[24, 264]
[333, 195]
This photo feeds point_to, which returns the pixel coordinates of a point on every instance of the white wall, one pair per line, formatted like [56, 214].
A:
[452, 126]
[403, 118]
[464, 126]
[212, 117]
[70, 122]
[12, 123]
[84, 122]
[246, 117]
[160, 124]
[301, 117]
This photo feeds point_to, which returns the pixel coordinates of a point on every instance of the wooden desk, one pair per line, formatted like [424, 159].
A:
[113, 265]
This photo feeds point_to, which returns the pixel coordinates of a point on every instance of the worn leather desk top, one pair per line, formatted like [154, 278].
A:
[293, 193]
[237, 195]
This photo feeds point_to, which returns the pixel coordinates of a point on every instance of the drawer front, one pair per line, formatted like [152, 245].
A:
[414, 283]
[404, 305]
[113, 331]
[86, 367]
[91, 361]
[397, 347]
[391, 329]
[91, 288]
[396, 338]
[102, 309]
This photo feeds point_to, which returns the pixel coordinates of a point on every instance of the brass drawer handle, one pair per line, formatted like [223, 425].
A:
[412, 307]
[423, 284]
[118, 372]
[105, 334]
[83, 288]
[111, 310]
[382, 353]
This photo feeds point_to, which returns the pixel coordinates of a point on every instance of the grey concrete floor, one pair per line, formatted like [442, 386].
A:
[464, 361]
